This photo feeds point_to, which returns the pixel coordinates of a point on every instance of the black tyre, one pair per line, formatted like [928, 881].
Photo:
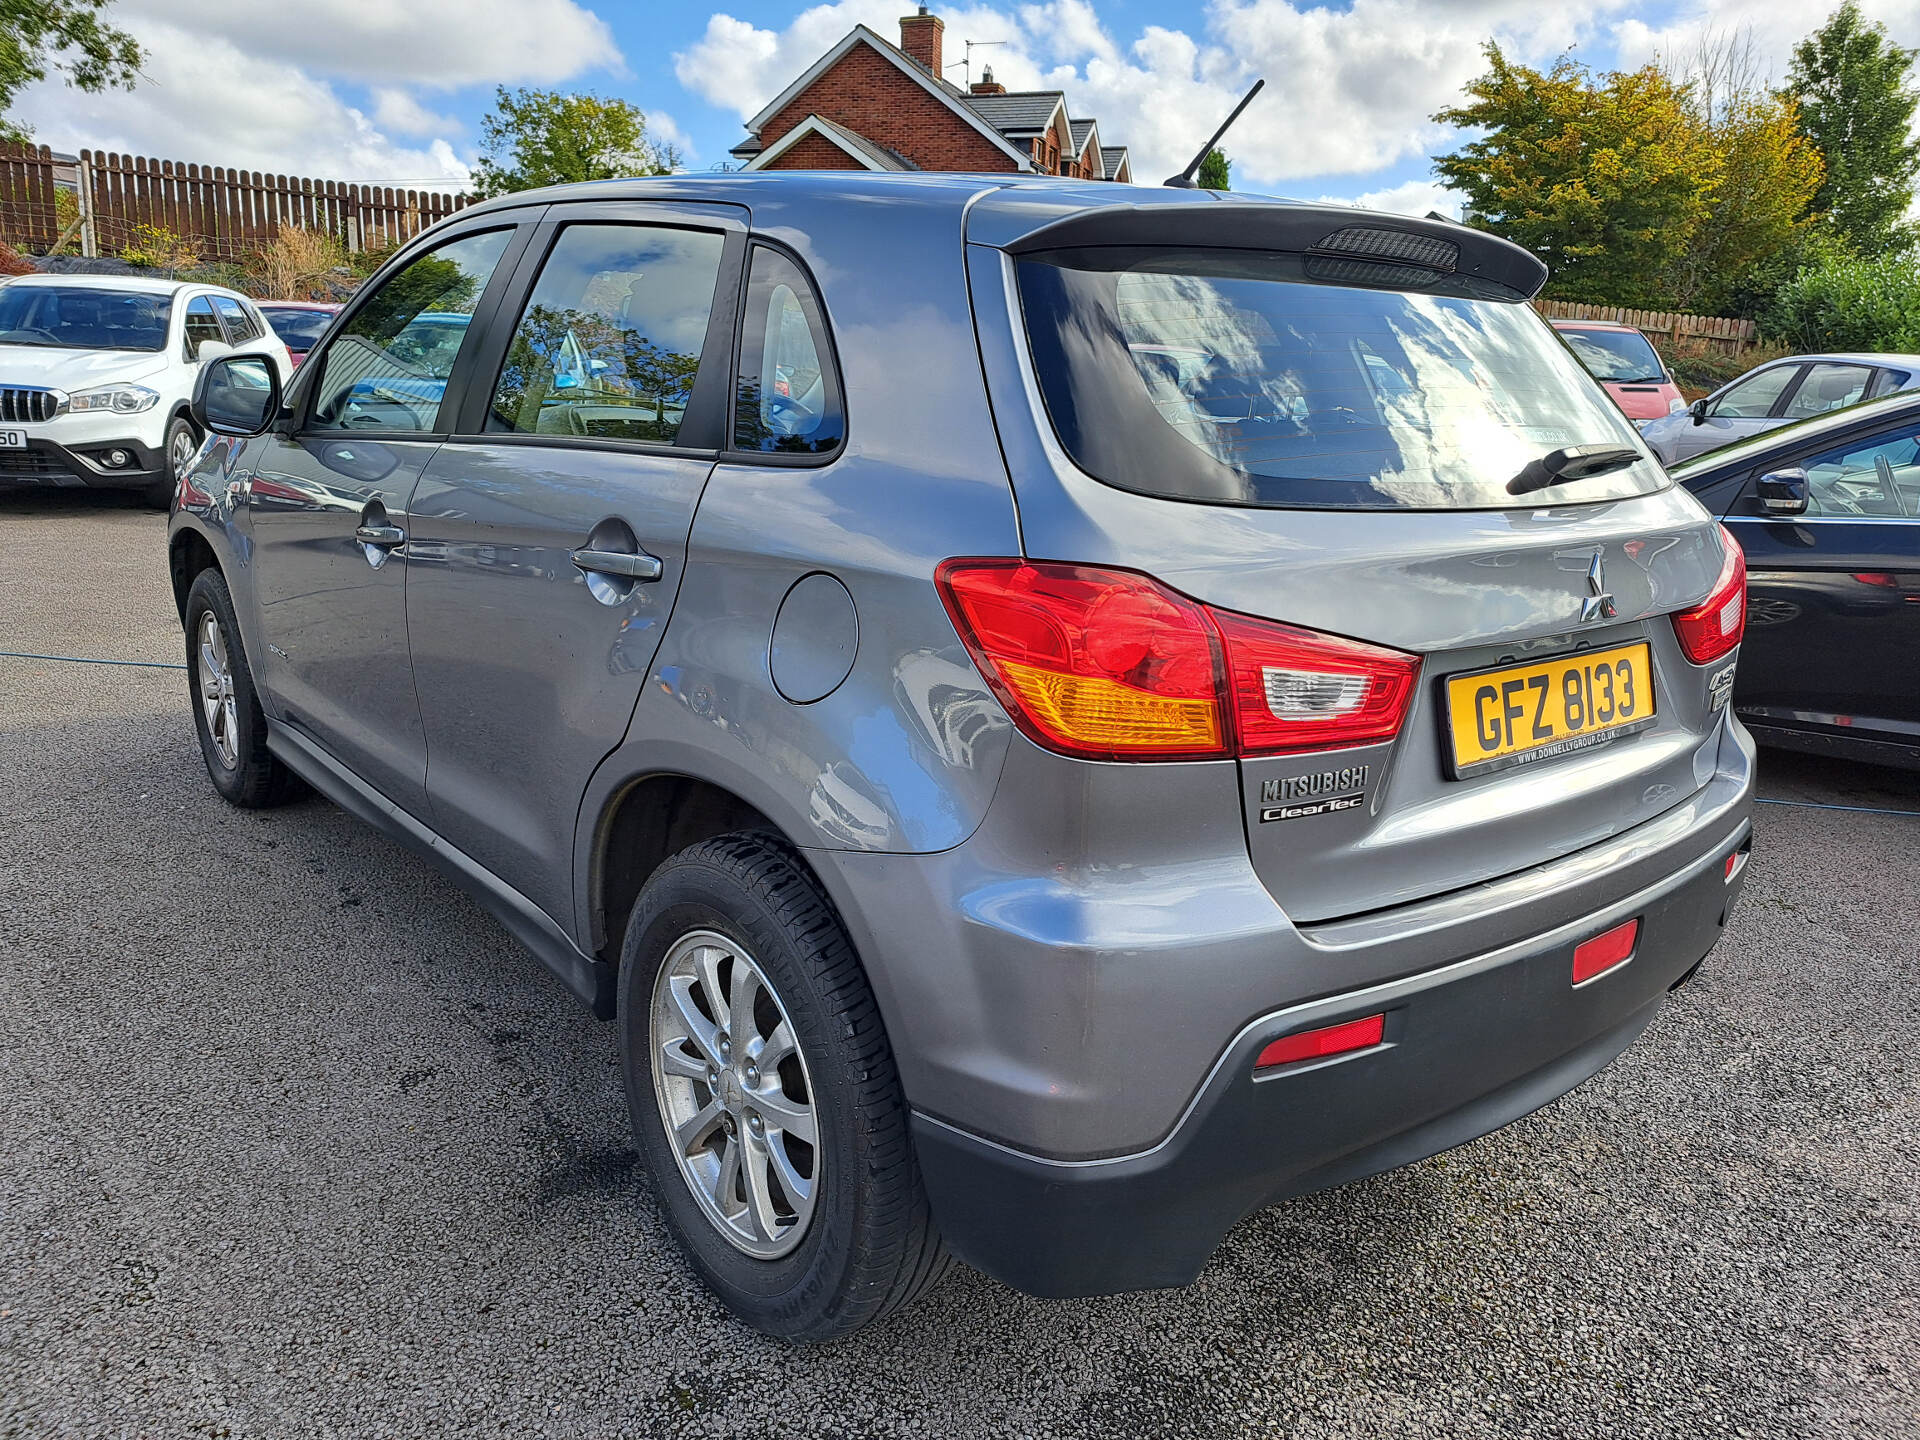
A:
[764, 1097]
[226, 711]
[183, 443]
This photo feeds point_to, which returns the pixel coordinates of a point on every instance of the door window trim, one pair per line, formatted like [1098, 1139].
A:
[815, 306]
[520, 224]
[728, 221]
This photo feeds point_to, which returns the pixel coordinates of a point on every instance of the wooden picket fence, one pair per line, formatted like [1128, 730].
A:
[1719, 332]
[217, 212]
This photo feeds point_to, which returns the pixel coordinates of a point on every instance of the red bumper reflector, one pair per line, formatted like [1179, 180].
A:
[1734, 861]
[1318, 1044]
[1603, 952]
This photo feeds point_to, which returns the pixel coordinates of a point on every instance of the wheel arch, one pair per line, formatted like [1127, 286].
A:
[647, 819]
[188, 553]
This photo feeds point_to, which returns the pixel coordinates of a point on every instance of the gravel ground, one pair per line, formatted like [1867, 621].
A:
[298, 1142]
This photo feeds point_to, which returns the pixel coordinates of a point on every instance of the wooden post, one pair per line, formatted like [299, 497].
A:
[89, 240]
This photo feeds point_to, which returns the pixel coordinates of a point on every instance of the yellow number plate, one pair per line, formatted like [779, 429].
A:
[1522, 713]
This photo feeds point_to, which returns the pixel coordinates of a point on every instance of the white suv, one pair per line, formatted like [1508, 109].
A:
[97, 374]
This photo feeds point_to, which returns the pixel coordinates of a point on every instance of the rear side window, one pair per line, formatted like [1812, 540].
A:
[388, 369]
[240, 326]
[609, 344]
[786, 397]
[1265, 379]
[1828, 387]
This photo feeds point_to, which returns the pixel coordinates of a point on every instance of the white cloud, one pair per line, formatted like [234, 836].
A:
[1349, 90]
[398, 111]
[1412, 197]
[204, 100]
[431, 44]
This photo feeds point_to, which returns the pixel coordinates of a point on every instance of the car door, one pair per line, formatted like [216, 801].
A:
[328, 512]
[1833, 627]
[551, 528]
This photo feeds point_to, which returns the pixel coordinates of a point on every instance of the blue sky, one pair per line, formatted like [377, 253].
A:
[376, 91]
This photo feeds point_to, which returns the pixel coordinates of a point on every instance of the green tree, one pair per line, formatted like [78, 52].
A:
[544, 137]
[64, 35]
[1769, 174]
[1856, 105]
[1606, 181]
[1214, 171]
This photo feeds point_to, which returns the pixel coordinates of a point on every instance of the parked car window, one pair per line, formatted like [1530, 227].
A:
[300, 329]
[1885, 382]
[202, 325]
[1234, 377]
[609, 344]
[1880, 477]
[83, 318]
[240, 326]
[1625, 357]
[786, 398]
[388, 368]
[1828, 387]
[1753, 398]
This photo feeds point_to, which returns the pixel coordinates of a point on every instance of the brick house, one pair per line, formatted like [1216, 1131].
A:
[870, 105]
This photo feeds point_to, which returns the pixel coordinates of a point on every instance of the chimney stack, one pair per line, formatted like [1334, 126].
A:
[920, 39]
[986, 84]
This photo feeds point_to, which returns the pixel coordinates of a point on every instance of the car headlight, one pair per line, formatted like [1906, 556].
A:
[121, 399]
[1676, 406]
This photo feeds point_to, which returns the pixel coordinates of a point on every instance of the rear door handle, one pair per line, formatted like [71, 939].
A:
[384, 536]
[618, 562]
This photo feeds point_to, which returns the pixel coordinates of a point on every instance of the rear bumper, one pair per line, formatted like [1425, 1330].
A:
[1468, 1048]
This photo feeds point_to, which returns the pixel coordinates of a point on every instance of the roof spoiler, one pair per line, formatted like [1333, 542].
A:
[1331, 231]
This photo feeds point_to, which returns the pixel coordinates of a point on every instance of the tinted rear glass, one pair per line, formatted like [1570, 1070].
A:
[1243, 378]
[300, 329]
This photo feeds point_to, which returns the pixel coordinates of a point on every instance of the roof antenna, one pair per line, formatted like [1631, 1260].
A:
[1184, 180]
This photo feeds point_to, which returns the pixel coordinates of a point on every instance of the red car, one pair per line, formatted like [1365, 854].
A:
[300, 323]
[1620, 358]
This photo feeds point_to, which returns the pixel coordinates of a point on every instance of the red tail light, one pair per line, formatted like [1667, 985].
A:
[1716, 624]
[1110, 664]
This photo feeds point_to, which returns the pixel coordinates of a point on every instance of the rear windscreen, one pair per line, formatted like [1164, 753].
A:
[1623, 356]
[1245, 378]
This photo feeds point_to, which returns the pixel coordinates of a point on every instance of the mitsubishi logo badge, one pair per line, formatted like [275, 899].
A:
[1598, 605]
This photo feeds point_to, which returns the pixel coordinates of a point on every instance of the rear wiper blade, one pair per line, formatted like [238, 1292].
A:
[1569, 463]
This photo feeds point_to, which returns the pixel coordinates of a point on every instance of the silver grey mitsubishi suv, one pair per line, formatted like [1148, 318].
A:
[1049, 715]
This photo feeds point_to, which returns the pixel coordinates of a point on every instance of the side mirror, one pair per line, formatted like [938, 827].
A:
[211, 350]
[1698, 410]
[1783, 492]
[237, 395]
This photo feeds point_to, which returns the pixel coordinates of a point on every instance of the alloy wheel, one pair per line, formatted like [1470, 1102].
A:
[735, 1098]
[215, 680]
[180, 452]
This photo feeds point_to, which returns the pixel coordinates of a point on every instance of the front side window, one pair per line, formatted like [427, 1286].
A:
[1623, 357]
[1828, 387]
[75, 317]
[1267, 379]
[786, 398]
[202, 325]
[609, 344]
[388, 369]
[1753, 398]
[1879, 478]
